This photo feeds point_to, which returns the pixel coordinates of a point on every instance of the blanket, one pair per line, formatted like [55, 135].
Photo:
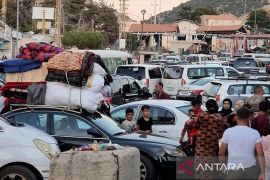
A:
[72, 78]
[18, 65]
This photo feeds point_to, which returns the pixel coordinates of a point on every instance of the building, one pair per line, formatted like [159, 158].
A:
[221, 20]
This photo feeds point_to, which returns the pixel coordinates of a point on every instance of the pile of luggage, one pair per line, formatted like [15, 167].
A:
[57, 79]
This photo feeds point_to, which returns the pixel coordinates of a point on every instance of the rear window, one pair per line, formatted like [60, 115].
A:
[134, 72]
[212, 90]
[193, 58]
[184, 109]
[245, 63]
[201, 82]
[155, 73]
[173, 73]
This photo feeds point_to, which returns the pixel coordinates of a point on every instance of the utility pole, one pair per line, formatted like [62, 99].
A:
[58, 17]
[155, 12]
[4, 10]
[123, 15]
[17, 26]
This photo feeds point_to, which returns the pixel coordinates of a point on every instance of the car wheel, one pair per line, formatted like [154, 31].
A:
[18, 173]
[147, 169]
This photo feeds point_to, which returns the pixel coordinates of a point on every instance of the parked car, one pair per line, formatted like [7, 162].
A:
[225, 57]
[264, 58]
[197, 58]
[73, 129]
[25, 151]
[169, 116]
[192, 90]
[125, 89]
[220, 89]
[173, 58]
[249, 65]
[145, 74]
[174, 77]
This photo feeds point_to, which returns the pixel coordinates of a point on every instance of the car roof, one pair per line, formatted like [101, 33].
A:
[195, 66]
[237, 81]
[140, 65]
[115, 76]
[171, 103]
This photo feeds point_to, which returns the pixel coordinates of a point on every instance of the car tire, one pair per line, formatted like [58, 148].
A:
[17, 171]
[147, 169]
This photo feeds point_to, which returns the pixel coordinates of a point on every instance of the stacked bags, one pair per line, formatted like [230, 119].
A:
[75, 79]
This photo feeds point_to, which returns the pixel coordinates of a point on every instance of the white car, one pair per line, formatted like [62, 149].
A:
[176, 76]
[221, 89]
[147, 75]
[197, 58]
[173, 58]
[25, 151]
[169, 116]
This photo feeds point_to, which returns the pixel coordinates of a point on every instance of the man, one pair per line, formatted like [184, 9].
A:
[129, 123]
[144, 124]
[160, 94]
[261, 121]
[196, 106]
[256, 98]
[241, 142]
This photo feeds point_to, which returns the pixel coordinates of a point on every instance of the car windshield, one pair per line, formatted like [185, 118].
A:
[107, 124]
[132, 71]
[184, 109]
[212, 90]
[200, 82]
[173, 73]
[193, 58]
[244, 63]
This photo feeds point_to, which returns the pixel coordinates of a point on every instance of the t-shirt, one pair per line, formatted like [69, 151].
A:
[145, 125]
[129, 125]
[241, 142]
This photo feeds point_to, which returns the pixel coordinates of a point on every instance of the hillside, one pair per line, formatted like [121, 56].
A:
[228, 6]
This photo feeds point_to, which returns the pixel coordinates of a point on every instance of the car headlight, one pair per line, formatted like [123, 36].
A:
[175, 152]
[47, 149]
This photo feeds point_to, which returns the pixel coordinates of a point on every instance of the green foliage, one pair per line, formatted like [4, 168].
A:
[262, 20]
[132, 42]
[83, 40]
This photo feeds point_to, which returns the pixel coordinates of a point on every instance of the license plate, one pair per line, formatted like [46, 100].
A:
[185, 92]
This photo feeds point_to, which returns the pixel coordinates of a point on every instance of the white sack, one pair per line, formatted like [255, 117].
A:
[58, 94]
[95, 83]
[99, 70]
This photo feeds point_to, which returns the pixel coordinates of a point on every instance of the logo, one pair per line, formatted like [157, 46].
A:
[187, 167]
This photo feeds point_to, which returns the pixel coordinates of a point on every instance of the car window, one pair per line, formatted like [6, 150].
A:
[193, 58]
[236, 89]
[244, 63]
[155, 73]
[69, 125]
[134, 72]
[35, 119]
[134, 86]
[120, 115]
[250, 89]
[196, 73]
[173, 73]
[212, 89]
[231, 72]
[212, 72]
[125, 86]
[184, 109]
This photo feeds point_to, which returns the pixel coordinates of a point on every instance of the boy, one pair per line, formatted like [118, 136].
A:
[144, 124]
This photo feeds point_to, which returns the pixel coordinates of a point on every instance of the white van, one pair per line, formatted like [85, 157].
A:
[147, 75]
[265, 58]
[197, 58]
[113, 58]
[25, 151]
[176, 76]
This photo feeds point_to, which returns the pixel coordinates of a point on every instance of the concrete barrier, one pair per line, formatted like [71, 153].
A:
[121, 164]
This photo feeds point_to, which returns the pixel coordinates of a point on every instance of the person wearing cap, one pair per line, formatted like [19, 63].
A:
[241, 142]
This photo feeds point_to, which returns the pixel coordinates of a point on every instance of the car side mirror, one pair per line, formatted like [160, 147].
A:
[94, 132]
[139, 78]
[145, 90]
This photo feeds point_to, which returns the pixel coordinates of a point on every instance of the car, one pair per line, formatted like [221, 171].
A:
[169, 116]
[225, 57]
[176, 76]
[197, 58]
[220, 89]
[145, 74]
[249, 65]
[73, 128]
[173, 58]
[125, 89]
[190, 91]
[25, 151]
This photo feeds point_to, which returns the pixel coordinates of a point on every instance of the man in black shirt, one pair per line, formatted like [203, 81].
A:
[144, 124]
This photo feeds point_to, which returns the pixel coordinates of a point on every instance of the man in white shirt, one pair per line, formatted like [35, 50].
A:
[242, 142]
[129, 124]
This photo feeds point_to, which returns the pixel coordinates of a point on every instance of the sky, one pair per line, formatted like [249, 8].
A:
[135, 7]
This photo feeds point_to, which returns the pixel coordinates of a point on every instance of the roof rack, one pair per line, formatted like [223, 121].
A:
[45, 106]
[243, 78]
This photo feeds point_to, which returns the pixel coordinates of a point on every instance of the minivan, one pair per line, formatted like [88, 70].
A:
[249, 65]
[176, 76]
[197, 58]
[147, 75]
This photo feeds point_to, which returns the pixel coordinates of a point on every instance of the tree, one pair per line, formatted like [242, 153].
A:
[262, 19]
[196, 15]
[83, 40]
[132, 42]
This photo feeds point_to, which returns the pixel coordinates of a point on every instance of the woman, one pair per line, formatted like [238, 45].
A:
[232, 121]
[211, 128]
[227, 108]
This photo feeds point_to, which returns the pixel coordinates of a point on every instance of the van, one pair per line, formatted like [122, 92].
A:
[197, 58]
[145, 74]
[249, 65]
[264, 58]
[176, 76]
[26, 151]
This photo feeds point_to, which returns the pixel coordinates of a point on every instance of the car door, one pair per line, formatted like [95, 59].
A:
[72, 131]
